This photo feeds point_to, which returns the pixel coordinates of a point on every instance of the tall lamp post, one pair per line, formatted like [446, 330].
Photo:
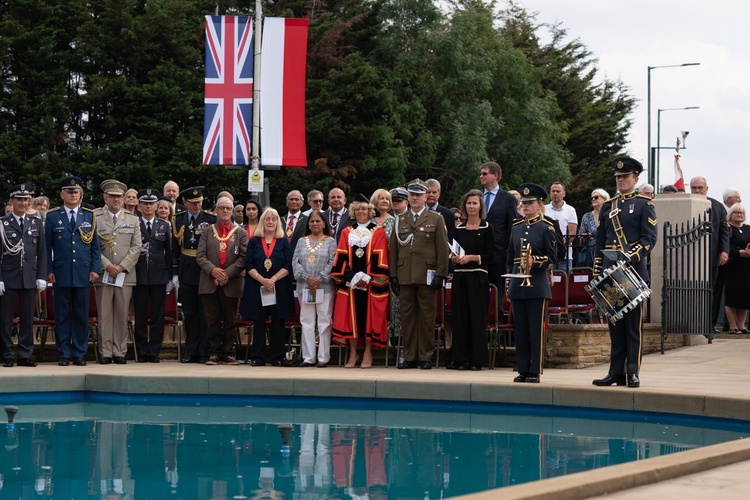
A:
[658, 138]
[651, 173]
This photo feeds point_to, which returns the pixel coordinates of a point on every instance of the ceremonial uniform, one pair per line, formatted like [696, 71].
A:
[417, 247]
[627, 222]
[187, 229]
[120, 245]
[23, 269]
[72, 256]
[535, 236]
[153, 271]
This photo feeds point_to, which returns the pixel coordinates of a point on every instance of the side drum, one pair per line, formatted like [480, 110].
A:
[618, 290]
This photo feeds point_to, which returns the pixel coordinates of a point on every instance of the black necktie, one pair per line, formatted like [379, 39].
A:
[72, 218]
[148, 228]
[20, 222]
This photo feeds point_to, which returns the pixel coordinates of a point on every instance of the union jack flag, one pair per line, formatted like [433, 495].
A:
[228, 100]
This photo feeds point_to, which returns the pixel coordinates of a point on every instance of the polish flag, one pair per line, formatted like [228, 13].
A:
[282, 92]
[679, 181]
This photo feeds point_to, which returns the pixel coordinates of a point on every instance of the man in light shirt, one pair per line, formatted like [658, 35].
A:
[566, 216]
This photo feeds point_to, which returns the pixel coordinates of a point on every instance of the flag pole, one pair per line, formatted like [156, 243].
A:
[255, 161]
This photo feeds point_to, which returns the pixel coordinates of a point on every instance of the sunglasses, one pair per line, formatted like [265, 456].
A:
[595, 197]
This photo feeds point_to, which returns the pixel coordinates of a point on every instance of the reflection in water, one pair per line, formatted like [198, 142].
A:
[105, 459]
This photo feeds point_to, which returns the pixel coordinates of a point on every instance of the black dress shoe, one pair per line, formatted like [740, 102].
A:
[322, 365]
[276, 362]
[8, 363]
[257, 362]
[105, 361]
[476, 368]
[189, 359]
[425, 365]
[305, 364]
[26, 362]
[520, 378]
[143, 359]
[63, 362]
[119, 360]
[154, 359]
[633, 380]
[532, 378]
[610, 380]
[463, 367]
[406, 365]
[79, 361]
[202, 361]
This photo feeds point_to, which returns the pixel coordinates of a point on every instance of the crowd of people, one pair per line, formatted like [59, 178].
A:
[363, 274]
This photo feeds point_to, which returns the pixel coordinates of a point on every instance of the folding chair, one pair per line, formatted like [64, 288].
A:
[94, 323]
[580, 302]
[172, 319]
[46, 321]
[493, 326]
[558, 304]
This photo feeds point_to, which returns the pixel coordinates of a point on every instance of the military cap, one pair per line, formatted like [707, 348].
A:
[399, 194]
[148, 195]
[623, 165]
[193, 194]
[19, 191]
[417, 186]
[530, 191]
[71, 183]
[113, 187]
[165, 198]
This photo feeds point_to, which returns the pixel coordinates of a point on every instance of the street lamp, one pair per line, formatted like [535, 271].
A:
[658, 138]
[651, 176]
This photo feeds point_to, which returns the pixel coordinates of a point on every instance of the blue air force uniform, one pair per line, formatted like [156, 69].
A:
[186, 231]
[530, 302]
[627, 222]
[72, 254]
[23, 269]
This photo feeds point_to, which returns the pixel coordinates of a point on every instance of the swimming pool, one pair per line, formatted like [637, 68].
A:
[229, 446]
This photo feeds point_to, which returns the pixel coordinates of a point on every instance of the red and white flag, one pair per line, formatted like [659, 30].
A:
[679, 179]
[282, 92]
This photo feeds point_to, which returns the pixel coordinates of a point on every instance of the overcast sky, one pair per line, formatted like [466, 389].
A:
[628, 37]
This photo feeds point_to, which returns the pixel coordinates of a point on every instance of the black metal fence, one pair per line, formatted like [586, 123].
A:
[686, 290]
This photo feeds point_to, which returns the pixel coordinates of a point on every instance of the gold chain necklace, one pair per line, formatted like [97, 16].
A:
[311, 258]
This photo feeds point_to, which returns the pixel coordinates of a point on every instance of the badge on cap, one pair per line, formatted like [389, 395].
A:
[526, 192]
[620, 164]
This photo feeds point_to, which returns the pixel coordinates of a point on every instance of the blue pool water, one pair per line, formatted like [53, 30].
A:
[114, 446]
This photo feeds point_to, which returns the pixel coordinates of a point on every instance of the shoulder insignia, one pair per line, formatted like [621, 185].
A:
[51, 210]
[650, 203]
[551, 224]
[652, 221]
[643, 196]
[179, 213]
[209, 212]
[518, 221]
[87, 209]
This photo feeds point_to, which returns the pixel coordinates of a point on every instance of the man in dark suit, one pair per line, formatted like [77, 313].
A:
[23, 268]
[433, 195]
[338, 216]
[221, 257]
[719, 245]
[172, 191]
[295, 221]
[154, 272]
[501, 211]
[73, 264]
[187, 228]
[418, 266]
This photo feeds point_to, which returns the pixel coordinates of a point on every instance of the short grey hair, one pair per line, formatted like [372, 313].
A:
[601, 193]
[433, 183]
[730, 193]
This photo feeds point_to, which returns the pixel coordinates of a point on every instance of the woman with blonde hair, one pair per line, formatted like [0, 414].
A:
[381, 200]
[268, 262]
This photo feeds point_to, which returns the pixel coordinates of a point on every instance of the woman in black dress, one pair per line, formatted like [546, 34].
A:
[737, 272]
[471, 285]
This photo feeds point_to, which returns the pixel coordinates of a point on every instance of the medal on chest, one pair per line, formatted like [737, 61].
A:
[268, 250]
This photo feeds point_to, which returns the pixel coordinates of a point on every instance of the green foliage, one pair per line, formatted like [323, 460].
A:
[396, 89]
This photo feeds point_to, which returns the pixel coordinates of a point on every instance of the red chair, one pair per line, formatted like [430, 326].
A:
[439, 324]
[94, 322]
[579, 300]
[493, 325]
[172, 319]
[558, 304]
[46, 321]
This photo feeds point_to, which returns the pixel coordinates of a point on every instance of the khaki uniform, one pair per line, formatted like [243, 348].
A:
[120, 244]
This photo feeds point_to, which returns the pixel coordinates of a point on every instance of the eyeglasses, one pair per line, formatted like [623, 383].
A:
[316, 201]
[482, 174]
[595, 197]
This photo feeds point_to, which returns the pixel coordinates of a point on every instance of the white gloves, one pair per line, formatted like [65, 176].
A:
[41, 285]
[2, 288]
[175, 283]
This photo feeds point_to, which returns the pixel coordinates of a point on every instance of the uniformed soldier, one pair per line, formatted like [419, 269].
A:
[73, 263]
[418, 263]
[120, 239]
[627, 222]
[153, 272]
[187, 228]
[531, 251]
[23, 268]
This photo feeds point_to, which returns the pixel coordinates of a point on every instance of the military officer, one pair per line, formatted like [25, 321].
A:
[120, 243]
[73, 264]
[532, 251]
[153, 273]
[23, 268]
[187, 228]
[627, 223]
[418, 262]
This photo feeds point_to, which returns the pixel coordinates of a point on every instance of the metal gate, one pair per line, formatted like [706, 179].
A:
[686, 291]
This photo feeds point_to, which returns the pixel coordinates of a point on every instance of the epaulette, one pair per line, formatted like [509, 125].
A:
[179, 213]
[56, 209]
[87, 209]
[99, 210]
[639, 195]
[549, 222]
[209, 212]
[518, 221]
[615, 197]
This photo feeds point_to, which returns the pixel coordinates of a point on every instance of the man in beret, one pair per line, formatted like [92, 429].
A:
[73, 264]
[187, 228]
[627, 223]
[23, 269]
[153, 273]
[418, 263]
[120, 244]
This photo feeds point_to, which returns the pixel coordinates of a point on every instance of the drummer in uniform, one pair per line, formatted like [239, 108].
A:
[187, 227]
[532, 237]
[627, 223]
